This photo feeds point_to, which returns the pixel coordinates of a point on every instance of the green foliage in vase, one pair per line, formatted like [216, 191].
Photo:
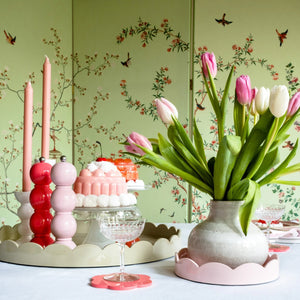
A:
[244, 159]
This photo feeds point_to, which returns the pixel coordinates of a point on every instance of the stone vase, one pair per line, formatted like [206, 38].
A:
[220, 238]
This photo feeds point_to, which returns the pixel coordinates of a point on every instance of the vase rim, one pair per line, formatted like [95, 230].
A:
[216, 200]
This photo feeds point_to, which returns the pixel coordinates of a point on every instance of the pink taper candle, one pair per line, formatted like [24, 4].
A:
[46, 108]
[27, 137]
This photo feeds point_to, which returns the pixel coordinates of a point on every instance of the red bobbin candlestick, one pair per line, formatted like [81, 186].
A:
[40, 221]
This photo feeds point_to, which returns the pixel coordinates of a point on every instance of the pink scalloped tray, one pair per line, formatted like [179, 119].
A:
[217, 273]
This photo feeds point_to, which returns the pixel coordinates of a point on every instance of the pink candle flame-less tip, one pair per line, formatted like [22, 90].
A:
[46, 108]
[27, 137]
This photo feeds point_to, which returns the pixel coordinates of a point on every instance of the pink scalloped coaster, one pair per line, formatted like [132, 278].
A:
[220, 274]
[98, 281]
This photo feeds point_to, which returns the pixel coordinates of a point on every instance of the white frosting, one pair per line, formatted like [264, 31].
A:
[135, 183]
[105, 200]
[105, 166]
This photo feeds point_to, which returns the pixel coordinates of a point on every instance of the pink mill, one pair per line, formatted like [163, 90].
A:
[63, 225]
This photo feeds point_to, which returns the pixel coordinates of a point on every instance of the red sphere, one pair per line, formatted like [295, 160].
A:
[40, 197]
[40, 173]
[40, 222]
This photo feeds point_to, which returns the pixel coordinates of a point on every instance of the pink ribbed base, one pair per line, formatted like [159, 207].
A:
[217, 273]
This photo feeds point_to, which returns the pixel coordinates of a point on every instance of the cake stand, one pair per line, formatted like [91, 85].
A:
[87, 220]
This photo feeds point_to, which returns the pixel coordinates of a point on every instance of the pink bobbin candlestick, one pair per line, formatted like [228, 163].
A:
[40, 221]
[63, 201]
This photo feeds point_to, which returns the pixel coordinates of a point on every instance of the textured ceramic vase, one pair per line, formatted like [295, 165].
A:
[220, 238]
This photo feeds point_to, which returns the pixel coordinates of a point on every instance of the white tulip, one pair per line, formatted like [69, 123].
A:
[262, 100]
[279, 100]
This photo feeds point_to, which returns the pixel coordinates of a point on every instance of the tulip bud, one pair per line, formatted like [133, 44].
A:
[166, 110]
[208, 59]
[279, 100]
[254, 92]
[294, 105]
[251, 106]
[243, 90]
[262, 100]
[135, 139]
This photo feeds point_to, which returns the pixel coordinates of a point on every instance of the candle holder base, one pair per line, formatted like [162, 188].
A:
[25, 212]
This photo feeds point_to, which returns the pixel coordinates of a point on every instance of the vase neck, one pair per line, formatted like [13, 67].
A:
[225, 210]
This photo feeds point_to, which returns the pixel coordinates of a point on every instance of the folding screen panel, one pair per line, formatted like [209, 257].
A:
[37, 28]
[129, 53]
[259, 39]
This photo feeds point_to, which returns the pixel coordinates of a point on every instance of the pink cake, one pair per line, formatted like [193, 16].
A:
[101, 184]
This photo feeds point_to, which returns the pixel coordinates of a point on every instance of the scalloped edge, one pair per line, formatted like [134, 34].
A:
[217, 273]
[163, 243]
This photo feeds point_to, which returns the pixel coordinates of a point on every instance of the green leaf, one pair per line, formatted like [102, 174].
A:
[158, 161]
[229, 149]
[248, 191]
[265, 148]
[250, 148]
[199, 142]
[270, 160]
[291, 169]
[216, 105]
[281, 168]
[132, 154]
[204, 174]
[237, 119]
[171, 155]
[247, 210]
[223, 105]
[213, 100]
[279, 140]
[285, 182]
[213, 89]
[186, 141]
[241, 190]
[211, 165]
[226, 92]
[286, 126]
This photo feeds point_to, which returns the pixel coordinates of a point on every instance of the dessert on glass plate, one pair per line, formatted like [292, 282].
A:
[101, 184]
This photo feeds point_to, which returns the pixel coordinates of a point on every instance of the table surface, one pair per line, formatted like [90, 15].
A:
[41, 283]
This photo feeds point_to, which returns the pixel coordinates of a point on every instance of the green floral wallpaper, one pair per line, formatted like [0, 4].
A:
[121, 55]
[32, 23]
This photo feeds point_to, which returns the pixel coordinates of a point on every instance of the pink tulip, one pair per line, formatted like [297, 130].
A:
[208, 59]
[254, 92]
[166, 110]
[294, 105]
[135, 139]
[243, 90]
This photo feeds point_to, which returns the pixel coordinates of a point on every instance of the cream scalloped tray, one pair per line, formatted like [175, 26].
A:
[156, 243]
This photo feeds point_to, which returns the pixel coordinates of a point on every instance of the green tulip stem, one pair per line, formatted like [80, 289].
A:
[285, 182]
[255, 118]
[243, 117]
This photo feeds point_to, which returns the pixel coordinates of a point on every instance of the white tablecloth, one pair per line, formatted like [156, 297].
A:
[41, 283]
